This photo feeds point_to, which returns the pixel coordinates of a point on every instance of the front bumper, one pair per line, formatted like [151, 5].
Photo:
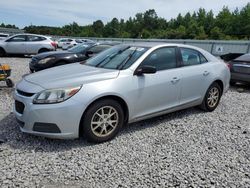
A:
[66, 116]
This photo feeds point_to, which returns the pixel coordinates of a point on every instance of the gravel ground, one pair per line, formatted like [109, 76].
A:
[188, 148]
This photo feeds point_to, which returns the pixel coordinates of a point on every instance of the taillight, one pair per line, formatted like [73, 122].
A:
[229, 65]
[53, 44]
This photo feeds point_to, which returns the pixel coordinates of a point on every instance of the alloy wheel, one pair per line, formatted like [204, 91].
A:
[213, 97]
[104, 121]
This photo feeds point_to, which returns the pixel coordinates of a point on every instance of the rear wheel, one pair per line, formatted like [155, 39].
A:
[212, 98]
[2, 52]
[103, 120]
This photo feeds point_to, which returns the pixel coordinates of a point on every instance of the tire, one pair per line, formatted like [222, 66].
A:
[43, 50]
[2, 52]
[9, 82]
[212, 98]
[96, 121]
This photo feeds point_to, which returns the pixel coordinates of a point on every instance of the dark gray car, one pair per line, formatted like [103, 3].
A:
[78, 53]
[240, 69]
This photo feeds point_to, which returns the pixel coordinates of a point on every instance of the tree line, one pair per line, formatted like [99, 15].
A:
[202, 24]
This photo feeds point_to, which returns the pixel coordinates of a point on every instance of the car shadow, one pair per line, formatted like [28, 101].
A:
[17, 56]
[11, 135]
[241, 88]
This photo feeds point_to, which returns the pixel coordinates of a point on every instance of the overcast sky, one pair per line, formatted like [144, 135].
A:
[60, 12]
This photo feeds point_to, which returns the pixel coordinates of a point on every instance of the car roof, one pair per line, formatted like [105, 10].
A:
[155, 44]
[30, 35]
[208, 55]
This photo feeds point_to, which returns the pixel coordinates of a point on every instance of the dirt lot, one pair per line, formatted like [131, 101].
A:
[188, 148]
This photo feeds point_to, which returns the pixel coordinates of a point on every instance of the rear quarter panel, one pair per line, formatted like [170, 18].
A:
[220, 71]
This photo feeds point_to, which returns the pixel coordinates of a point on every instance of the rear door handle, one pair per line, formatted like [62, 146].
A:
[205, 73]
[175, 80]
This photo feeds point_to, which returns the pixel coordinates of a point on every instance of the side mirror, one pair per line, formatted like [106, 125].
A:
[89, 53]
[146, 69]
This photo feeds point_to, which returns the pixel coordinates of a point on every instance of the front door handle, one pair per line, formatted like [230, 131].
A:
[175, 80]
[205, 73]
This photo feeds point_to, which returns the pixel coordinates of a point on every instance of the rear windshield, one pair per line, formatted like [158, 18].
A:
[245, 57]
[79, 48]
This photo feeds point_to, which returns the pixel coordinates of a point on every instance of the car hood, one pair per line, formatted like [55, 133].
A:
[54, 54]
[70, 75]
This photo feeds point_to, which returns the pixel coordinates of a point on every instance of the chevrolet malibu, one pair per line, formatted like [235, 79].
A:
[124, 84]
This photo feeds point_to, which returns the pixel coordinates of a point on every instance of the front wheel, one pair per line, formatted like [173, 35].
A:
[212, 98]
[103, 120]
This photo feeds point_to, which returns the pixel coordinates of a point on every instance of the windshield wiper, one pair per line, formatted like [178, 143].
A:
[111, 57]
[124, 62]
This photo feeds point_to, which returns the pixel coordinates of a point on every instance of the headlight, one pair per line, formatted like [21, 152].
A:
[55, 95]
[43, 61]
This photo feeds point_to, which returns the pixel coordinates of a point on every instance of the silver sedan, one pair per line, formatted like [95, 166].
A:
[124, 84]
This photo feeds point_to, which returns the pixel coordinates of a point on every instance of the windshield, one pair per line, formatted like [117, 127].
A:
[79, 48]
[117, 57]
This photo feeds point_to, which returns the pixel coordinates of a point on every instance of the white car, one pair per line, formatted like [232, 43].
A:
[26, 44]
[70, 43]
[3, 35]
[63, 41]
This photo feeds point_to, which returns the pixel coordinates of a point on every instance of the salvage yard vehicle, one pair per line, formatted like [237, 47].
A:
[124, 84]
[61, 41]
[70, 43]
[240, 69]
[26, 44]
[80, 52]
[74, 42]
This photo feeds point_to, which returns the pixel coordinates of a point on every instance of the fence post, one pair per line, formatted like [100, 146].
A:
[248, 48]
[212, 48]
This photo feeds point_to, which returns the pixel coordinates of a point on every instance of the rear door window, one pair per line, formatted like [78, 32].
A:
[191, 57]
[32, 38]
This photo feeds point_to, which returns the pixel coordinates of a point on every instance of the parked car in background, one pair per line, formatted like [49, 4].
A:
[26, 44]
[61, 41]
[77, 53]
[123, 84]
[3, 35]
[85, 40]
[240, 69]
[70, 43]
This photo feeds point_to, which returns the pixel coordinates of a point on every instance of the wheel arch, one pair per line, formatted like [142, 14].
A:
[220, 83]
[43, 48]
[119, 99]
[1, 48]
